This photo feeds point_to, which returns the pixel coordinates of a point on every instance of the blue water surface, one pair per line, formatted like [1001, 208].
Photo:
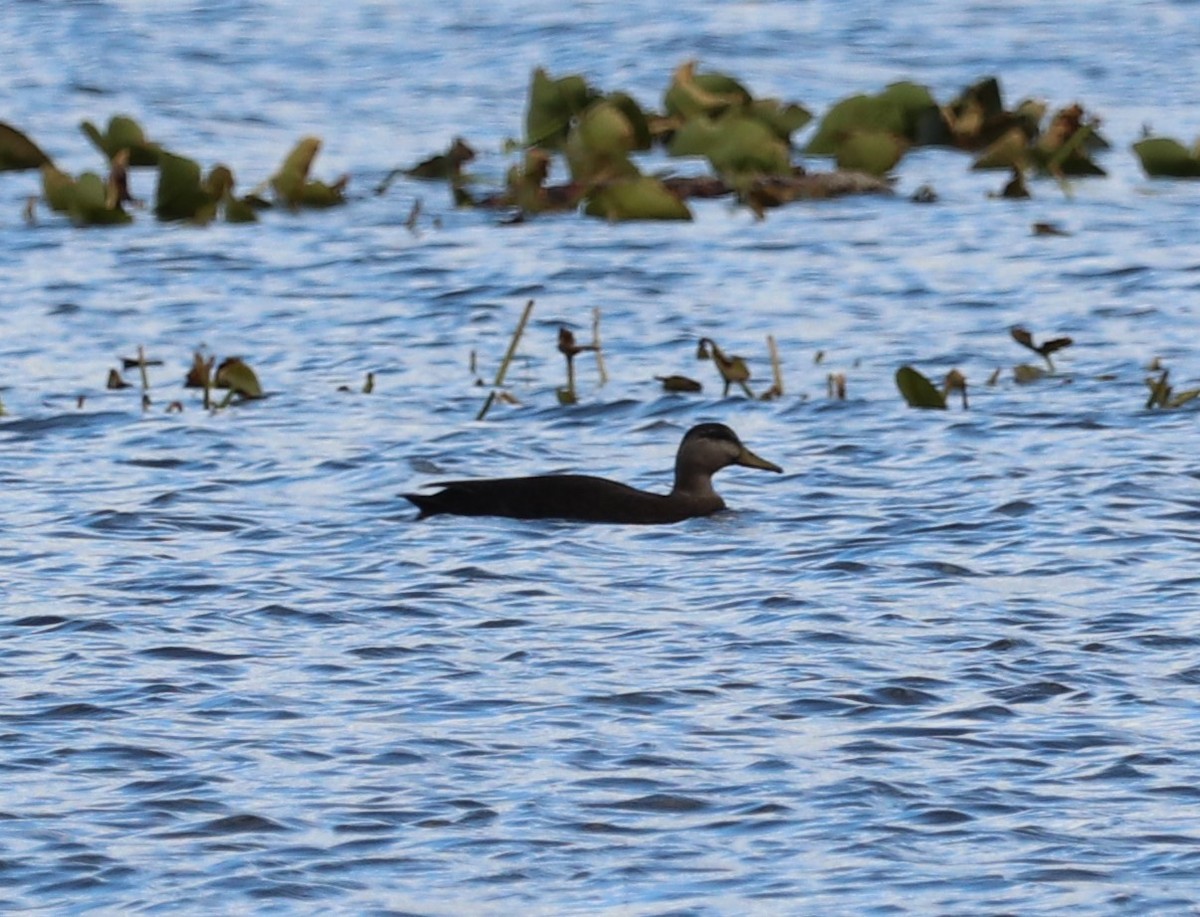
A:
[947, 663]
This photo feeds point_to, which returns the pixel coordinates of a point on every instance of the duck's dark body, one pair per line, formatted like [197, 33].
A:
[705, 449]
[562, 496]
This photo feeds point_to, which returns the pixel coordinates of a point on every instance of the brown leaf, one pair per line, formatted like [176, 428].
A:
[1048, 347]
[1022, 337]
[200, 375]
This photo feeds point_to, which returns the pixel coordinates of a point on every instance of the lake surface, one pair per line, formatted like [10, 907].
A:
[947, 663]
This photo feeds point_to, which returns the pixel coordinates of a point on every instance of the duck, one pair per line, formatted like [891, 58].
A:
[705, 450]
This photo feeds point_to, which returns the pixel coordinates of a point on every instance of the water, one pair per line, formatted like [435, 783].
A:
[947, 663]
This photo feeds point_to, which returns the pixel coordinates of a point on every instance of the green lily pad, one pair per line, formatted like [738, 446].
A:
[914, 102]
[636, 117]
[692, 94]
[598, 146]
[292, 185]
[873, 152]
[86, 199]
[56, 188]
[783, 119]
[735, 144]
[179, 195]
[857, 113]
[239, 378]
[553, 104]
[641, 198]
[18, 152]
[917, 390]
[123, 134]
[1162, 157]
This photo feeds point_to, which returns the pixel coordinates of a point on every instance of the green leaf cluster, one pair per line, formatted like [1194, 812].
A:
[88, 200]
[1163, 157]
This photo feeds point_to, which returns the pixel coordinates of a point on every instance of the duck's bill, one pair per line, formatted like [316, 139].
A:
[750, 460]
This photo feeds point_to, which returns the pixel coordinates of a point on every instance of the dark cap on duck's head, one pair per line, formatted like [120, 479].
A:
[709, 447]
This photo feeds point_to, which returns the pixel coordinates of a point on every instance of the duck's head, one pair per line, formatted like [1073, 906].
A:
[709, 447]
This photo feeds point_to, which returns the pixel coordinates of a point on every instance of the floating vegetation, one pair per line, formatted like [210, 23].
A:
[233, 374]
[919, 392]
[183, 195]
[1025, 339]
[295, 189]
[1163, 396]
[183, 192]
[733, 369]
[123, 135]
[748, 143]
[88, 200]
[18, 152]
[677, 383]
[115, 382]
[1163, 157]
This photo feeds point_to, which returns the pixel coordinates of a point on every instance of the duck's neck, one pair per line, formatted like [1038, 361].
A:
[695, 485]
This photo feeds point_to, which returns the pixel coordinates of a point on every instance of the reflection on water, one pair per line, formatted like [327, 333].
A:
[944, 664]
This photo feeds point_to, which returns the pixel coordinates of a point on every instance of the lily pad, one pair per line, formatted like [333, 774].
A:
[179, 195]
[292, 185]
[239, 378]
[598, 146]
[735, 144]
[783, 118]
[18, 152]
[898, 110]
[87, 200]
[917, 390]
[1162, 157]
[691, 94]
[873, 152]
[640, 198]
[636, 117]
[553, 105]
[123, 133]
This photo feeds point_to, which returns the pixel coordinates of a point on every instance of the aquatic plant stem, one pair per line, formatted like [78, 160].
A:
[596, 344]
[503, 370]
[776, 368]
[142, 368]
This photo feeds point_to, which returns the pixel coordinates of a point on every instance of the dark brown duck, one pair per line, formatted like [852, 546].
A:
[705, 450]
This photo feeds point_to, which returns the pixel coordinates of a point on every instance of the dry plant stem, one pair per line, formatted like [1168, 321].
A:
[776, 369]
[596, 343]
[503, 370]
[142, 368]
